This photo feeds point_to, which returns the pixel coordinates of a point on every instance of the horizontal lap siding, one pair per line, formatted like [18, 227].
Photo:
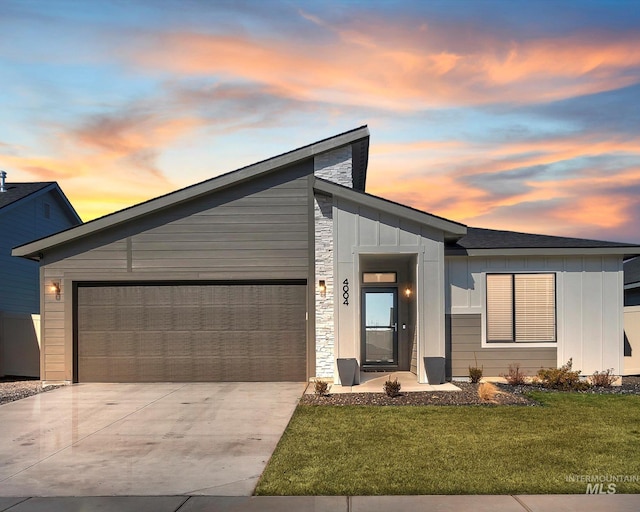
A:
[252, 231]
[464, 344]
[20, 223]
[261, 235]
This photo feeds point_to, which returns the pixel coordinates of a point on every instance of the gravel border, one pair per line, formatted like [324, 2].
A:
[467, 396]
[12, 389]
[507, 395]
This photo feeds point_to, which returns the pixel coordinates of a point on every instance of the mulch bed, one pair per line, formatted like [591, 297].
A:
[507, 395]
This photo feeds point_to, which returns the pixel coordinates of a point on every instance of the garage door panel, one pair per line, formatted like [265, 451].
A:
[148, 333]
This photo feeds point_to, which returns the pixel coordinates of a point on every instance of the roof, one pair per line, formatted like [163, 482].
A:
[454, 229]
[17, 191]
[33, 249]
[632, 273]
[480, 241]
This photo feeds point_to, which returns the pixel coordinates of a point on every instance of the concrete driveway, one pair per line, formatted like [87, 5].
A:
[143, 439]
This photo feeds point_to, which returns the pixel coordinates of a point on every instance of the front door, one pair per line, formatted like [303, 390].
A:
[380, 327]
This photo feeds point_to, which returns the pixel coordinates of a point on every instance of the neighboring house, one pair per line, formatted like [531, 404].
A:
[632, 317]
[27, 211]
[278, 270]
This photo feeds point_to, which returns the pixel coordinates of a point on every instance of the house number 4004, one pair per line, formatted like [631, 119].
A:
[345, 292]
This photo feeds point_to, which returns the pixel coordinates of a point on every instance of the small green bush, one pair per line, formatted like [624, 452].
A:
[392, 387]
[563, 378]
[603, 379]
[515, 376]
[320, 387]
[475, 374]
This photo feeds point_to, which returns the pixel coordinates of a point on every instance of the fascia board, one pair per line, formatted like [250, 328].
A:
[559, 251]
[378, 203]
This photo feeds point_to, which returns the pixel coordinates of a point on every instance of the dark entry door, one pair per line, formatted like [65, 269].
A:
[380, 326]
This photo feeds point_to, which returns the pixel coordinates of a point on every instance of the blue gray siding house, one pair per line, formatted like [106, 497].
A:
[27, 211]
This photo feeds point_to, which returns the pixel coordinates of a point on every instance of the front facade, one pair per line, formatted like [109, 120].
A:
[281, 269]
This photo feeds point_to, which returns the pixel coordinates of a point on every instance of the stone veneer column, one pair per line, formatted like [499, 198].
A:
[335, 166]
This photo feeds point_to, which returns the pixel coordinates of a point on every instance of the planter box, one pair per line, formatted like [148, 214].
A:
[435, 367]
[347, 370]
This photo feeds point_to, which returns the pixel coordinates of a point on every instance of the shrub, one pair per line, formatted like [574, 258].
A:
[392, 387]
[563, 378]
[603, 379]
[515, 376]
[320, 387]
[487, 392]
[475, 373]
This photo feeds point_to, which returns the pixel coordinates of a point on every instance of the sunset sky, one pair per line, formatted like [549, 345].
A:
[519, 115]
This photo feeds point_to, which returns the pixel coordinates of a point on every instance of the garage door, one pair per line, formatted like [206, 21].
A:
[186, 333]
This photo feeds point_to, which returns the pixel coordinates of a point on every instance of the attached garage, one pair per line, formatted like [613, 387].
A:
[186, 332]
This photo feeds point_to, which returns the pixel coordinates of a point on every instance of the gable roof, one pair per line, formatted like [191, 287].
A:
[33, 249]
[17, 192]
[480, 241]
[632, 273]
[453, 230]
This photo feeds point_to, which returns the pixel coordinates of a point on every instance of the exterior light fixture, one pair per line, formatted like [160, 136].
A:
[408, 292]
[322, 287]
[55, 288]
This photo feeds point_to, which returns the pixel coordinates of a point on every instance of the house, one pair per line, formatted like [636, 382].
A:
[281, 269]
[27, 211]
[631, 317]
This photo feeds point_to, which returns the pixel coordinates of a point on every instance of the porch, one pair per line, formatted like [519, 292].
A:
[373, 382]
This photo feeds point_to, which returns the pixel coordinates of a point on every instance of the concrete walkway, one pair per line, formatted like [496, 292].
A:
[521, 503]
[374, 382]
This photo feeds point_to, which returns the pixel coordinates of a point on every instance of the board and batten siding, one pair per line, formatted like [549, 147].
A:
[362, 232]
[464, 349]
[589, 303]
[256, 230]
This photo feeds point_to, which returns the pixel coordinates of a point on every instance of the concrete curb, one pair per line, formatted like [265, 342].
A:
[475, 503]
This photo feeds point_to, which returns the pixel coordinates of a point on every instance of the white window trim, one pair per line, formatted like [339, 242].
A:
[512, 344]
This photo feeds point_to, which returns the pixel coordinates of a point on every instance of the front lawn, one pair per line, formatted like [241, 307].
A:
[373, 450]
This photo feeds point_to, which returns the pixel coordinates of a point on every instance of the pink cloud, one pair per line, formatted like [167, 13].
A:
[406, 70]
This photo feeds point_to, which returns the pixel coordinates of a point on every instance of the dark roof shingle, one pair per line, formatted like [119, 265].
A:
[480, 238]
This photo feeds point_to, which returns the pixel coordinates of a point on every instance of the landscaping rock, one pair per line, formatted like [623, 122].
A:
[12, 389]
[507, 395]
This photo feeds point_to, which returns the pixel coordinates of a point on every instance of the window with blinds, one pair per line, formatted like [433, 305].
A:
[521, 308]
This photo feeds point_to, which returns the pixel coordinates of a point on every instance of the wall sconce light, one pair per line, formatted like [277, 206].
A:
[55, 288]
[322, 287]
[408, 292]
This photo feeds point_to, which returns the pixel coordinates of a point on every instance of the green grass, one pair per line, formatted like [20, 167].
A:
[371, 450]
